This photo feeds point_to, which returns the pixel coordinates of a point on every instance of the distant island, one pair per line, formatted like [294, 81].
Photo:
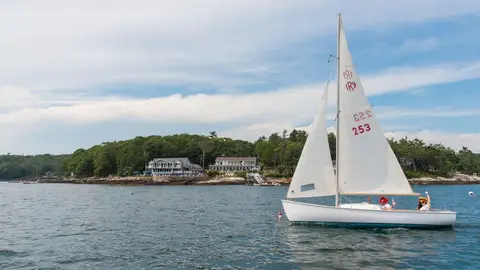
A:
[277, 156]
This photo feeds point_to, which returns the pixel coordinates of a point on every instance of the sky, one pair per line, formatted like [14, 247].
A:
[77, 74]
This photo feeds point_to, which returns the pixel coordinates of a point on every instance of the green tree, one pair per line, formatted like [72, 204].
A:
[105, 160]
[206, 146]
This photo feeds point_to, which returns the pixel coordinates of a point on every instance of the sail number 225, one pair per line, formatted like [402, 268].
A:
[361, 129]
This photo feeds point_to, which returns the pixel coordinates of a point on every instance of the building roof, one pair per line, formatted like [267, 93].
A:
[185, 161]
[236, 159]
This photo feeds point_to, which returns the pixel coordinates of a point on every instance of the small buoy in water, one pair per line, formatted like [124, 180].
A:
[472, 194]
[280, 214]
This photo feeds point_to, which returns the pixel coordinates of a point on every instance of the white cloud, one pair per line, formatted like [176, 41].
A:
[278, 109]
[253, 132]
[419, 45]
[402, 78]
[86, 43]
[58, 55]
[291, 104]
[57, 50]
[397, 112]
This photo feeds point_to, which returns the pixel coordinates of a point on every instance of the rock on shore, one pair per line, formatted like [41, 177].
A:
[222, 181]
[457, 179]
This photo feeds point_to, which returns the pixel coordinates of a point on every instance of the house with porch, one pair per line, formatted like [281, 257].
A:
[173, 167]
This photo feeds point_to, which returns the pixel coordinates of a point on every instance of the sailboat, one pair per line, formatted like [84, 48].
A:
[365, 164]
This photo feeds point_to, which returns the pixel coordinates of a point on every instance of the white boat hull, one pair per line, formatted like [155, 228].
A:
[369, 217]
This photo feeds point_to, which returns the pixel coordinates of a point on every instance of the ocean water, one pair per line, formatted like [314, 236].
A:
[60, 226]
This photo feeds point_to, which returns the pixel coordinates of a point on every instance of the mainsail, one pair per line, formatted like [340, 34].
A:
[314, 175]
[367, 164]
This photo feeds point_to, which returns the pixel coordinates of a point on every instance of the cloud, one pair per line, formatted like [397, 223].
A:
[253, 114]
[59, 59]
[398, 112]
[62, 52]
[253, 132]
[89, 43]
[396, 131]
[408, 77]
[419, 45]
[291, 104]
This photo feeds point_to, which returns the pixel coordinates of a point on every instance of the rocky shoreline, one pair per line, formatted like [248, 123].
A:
[458, 179]
[145, 180]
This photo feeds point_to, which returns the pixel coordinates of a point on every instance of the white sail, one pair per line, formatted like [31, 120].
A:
[367, 165]
[314, 175]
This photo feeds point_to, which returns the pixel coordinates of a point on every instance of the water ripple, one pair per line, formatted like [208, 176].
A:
[228, 227]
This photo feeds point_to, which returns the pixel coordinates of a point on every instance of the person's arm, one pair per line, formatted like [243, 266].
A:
[428, 199]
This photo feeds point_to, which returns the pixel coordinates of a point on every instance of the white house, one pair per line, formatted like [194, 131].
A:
[173, 166]
[230, 165]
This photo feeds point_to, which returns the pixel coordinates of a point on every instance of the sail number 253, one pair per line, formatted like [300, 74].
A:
[361, 129]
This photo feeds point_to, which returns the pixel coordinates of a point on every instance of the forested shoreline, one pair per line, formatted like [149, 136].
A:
[278, 155]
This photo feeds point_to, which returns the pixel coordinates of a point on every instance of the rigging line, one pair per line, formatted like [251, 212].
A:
[333, 68]
[332, 74]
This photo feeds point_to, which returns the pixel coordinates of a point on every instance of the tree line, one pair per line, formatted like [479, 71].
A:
[278, 155]
[21, 166]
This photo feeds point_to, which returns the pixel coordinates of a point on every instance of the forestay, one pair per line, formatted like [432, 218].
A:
[314, 175]
[367, 165]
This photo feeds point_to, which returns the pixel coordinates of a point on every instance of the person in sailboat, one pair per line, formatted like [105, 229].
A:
[384, 204]
[424, 203]
[421, 202]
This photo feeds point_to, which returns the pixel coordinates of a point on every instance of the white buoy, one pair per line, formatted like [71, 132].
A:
[471, 194]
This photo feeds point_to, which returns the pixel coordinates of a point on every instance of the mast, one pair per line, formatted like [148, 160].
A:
[337, 139]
